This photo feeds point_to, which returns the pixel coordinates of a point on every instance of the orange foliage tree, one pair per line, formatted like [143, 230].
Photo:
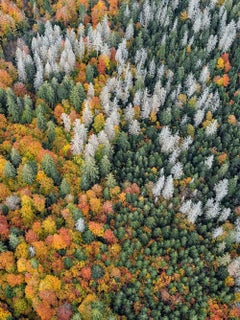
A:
[113, 6]
[97, 12]
[11, 16]
[5, 79]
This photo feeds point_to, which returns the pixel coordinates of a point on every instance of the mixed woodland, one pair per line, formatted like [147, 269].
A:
[119, 159]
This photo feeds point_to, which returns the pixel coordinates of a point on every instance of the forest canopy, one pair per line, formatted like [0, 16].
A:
[119, 159]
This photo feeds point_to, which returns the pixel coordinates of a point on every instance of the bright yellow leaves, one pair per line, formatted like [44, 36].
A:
[21, 265]
[46, 183]
[162, 281]
[26, 210]
[115, 249]
[95, 205]
[153, 117]
[184, 15]
[229, 281]
[122, 197]
[4, 314]
[50, 283]
[49, 225]
[2, 164]
[220, 63]
[22, 250]
[99, 122]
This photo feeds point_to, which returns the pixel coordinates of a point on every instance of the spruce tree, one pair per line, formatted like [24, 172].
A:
[89, 73]
[49, 167]
[28, 174]
[51, 131]
[27, 115]
[77, 96]
[13, 109]
[90, 173]
[64, 188]
[105, 166]
[9, 170]
[15, 157]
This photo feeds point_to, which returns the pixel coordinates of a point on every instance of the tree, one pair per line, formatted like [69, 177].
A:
[47, 93]
[129, 31]
[64, 312]
[134, 127]
[227, 36]
[66, 121]
[13, 241]
[41, 120]
[101, 65]
[97, 271]
[177, 170]
[80, 225]
[9, 170]
[77, 96]
[168, 188]
[49, 167]
[28, 175]
[105, 166]
[12, 202]
[221, 189]
[27, 115]
[51, 131]
[89, 173]
[64, 188]
[13, 108]
[99, 122]
[38, 80]
[15, 157]
[87, 114]
[168, 141]
[157, 188]
[89, 74]
[97, 11]
[80, 136]
[211, 129]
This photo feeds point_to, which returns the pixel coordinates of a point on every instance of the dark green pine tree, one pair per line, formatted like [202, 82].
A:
[28, 113]
[51, 131]
[12, 106]
[47, 93]
[15, 157]
[64, 188]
